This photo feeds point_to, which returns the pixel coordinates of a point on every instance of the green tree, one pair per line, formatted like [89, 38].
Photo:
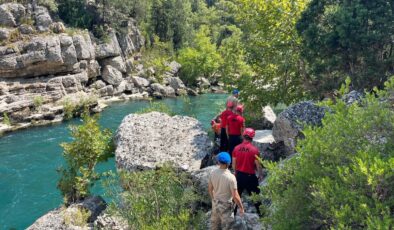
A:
[234, 56]
[343, 174]
[89, 147]
[75, 13]
[273, 51]
[201, 59]
[348, 38]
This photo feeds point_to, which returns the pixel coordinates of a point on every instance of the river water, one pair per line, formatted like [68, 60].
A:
[29, 158]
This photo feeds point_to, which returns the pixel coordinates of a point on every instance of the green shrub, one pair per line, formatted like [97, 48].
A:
[6, 119]
[90, 146]
[157, 107]
[76, 107]
[38, 101]
[343, 176]
[156, 199]
[78, 218]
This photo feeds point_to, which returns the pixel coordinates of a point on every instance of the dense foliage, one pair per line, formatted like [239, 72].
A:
[348, 38]
[156, 199]
[89, 147]
[343, 176]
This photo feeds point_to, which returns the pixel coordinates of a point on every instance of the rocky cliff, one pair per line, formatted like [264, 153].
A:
[46, 69]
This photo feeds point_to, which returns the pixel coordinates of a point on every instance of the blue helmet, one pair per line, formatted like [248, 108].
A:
[235, 91]
[224, 158]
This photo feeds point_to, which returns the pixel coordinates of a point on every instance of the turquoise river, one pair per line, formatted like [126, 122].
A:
[29, 158]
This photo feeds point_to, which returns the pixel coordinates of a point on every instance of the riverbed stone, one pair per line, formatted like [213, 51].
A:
[144, 141]
[116, 62]
[140, 82]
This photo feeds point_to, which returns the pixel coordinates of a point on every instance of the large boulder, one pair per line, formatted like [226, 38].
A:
[174, 67]
[11, 14]
[42, 18]
[130, 38]
[112, 76]
[176, 83]
[352, 97]
[290, 123]
[147, 140]
[269, 117]
[140, 82]
[200, 178]
[263, 140]
[162, 91]
[63, 218]
[109, 48]
[116, 62]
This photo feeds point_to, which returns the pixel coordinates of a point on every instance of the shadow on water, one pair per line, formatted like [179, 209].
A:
[29, 158]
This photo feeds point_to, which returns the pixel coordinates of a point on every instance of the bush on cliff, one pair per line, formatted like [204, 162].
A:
[343, 176]
[89, 147]
[155, 199]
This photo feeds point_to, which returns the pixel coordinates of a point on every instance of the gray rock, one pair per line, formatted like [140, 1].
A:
[165, 91]
[58, 218]
[192, 92]
[42, 18]
[83, 46]
[176, 83]
[200, 179]
[26, 29]
[116, 62]
[4, 34]
[58, 27]
[11, 14]
[98, 85]
[203, 83]
[140, 82]
[174, 67]
[352, 97]
[110, 49]
[109, 222]
[290, 123]
[130, 38]
[71, 84]
[147, 140]
[120, 88]
[263, 140]
[112, 76]
[93, 68]
[69, 54]
[250, 221]
[106, 91]
[269, 117]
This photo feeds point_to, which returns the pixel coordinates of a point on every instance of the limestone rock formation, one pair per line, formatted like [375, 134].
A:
[290, 123]
[269, 117]
[62, 218]
[147, 140]
[200, 178]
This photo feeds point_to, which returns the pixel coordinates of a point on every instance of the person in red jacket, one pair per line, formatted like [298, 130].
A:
[246, 165]
[223, 118]
[235, 127]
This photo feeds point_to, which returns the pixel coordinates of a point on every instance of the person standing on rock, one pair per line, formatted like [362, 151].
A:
[222, 188]
[246, 164]
[223, 124]
[235, 127]
[234, 98]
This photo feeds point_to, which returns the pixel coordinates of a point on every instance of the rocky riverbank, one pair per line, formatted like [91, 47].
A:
[49, 72]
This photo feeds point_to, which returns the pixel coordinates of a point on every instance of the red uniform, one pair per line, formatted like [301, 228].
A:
[223, 117]
[235, 124]
[245, 154]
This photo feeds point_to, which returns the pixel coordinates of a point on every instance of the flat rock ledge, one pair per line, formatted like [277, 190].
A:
[144, 141]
